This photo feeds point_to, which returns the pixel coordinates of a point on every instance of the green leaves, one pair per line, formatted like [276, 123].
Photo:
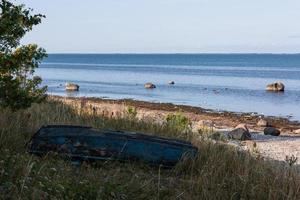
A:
[178, 121]
[18, 86]
[15, 21]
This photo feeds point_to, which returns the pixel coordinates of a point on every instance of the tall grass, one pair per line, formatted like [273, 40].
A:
[219, 171]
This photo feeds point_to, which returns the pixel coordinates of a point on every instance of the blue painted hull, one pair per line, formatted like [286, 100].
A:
[84, 143]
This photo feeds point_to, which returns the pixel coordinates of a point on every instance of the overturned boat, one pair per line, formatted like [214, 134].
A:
[85, 143]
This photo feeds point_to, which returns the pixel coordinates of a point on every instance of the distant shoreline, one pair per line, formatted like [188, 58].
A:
[165, 53]
[221, 120]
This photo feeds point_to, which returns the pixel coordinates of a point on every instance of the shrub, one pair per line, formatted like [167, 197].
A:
[131, 112]
[178, 121]
[18, 85]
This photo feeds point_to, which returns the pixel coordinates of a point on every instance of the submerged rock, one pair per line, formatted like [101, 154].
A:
[149, 86]
[271, 131]
[276, 87]
[72, 87]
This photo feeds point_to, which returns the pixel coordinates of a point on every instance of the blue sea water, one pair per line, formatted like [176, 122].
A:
[225, 82]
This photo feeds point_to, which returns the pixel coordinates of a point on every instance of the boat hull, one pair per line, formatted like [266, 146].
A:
[84, 143]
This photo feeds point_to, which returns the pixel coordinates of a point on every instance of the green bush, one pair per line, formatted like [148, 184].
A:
[178, 121]
[19, 88]
[131, 112]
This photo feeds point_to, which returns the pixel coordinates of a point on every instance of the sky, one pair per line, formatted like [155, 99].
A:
[166, 26]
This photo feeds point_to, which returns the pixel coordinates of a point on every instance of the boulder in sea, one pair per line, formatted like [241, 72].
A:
[271, 131]
[72, 87]
[241, 132]
[275, 87]
[149, 86]
[171, 82]
[263, 123]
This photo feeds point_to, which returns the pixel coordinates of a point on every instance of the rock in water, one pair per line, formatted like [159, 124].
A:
[263, 123]
[271, 131]
[149, 86]
[72, 87]
[240, 134]
[275, 87]
[171, 82]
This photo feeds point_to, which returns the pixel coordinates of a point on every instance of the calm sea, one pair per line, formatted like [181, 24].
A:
[231, 82]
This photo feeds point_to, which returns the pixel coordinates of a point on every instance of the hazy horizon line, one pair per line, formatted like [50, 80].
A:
[166, 53]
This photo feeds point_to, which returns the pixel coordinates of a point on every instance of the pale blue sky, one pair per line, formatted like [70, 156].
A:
[167, 26]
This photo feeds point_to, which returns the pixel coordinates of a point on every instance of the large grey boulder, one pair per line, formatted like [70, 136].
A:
[271, 131]
[275, 87]
[240, 132]
[149, 86]
[72, 87]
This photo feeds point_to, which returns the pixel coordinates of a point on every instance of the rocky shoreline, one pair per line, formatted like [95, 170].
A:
[228, 124]
[219, 120]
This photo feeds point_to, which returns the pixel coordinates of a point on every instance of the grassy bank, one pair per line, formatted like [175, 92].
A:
[219, 172]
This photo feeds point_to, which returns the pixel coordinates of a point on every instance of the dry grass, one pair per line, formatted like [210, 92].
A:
[219, 172]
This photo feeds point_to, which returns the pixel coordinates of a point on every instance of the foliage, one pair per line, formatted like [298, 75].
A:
[178, 121]
[219, 171]
[131, 112]
[18, 85]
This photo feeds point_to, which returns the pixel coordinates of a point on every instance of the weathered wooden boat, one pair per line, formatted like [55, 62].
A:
[85, 143]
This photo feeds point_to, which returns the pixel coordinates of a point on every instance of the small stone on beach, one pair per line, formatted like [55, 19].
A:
[240, 134]
[263, 123]
[271, 131]
[297, 131]
[243, 126]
